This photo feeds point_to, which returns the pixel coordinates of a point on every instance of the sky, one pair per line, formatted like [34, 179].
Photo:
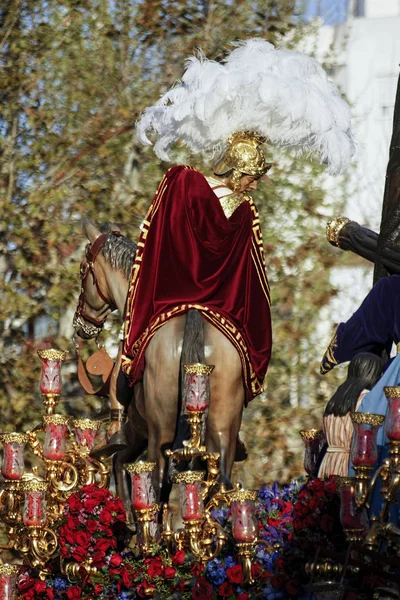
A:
[332, 12]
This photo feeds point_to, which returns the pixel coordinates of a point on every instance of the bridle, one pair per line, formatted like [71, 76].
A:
[91, 326]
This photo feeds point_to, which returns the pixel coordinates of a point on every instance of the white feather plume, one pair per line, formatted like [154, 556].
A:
[285, 96]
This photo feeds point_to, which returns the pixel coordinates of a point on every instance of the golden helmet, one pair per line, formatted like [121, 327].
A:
[243, 155]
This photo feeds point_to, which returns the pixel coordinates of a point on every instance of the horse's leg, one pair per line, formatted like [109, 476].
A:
[161, 389]
[226, 399]
[135, 434]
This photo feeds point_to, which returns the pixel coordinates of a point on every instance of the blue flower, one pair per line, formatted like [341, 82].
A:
[215, 572]
[59, 584]
[230, 562]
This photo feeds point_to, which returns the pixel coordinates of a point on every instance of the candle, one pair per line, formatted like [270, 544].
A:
[86, 432]
[196, 395]
[314, 440]
[55, 434]
[364, 450]
[34, 514]
[50, 378]
[192, 504]
[392, 428]
[244, 526]
[13, 460]
[8, 581]
[143, 494]
[350, 516]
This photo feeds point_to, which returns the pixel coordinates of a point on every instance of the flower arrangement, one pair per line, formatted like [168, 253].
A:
[93, 533]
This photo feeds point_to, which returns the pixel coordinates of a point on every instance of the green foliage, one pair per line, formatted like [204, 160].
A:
[74, 77]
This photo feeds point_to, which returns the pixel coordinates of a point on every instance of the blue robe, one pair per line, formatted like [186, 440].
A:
[373, 327]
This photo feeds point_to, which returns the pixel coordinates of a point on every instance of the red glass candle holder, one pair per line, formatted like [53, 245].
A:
[244, 522]
[86, 432]
[196, 393]
[143, 495]
[34, 514]
[354, 520]
[313, 440]
[364, 449]
[13, 466]
[50, 378]
[8, 581]
[56, 427]
[392, 425]
[190, 495]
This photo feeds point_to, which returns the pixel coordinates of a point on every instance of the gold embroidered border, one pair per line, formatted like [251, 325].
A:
[220, 322]
[329, 355]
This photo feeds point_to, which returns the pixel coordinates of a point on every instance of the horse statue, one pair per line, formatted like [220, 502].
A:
[153, 413]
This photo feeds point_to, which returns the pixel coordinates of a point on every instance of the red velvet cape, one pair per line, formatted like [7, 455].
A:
[190, 255]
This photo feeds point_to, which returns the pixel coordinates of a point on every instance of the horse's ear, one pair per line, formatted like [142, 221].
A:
[91, 231]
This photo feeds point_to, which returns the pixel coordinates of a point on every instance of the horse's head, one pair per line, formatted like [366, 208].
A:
[95, 302]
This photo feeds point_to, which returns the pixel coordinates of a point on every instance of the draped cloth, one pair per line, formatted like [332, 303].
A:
[374, 327]
[190, 255]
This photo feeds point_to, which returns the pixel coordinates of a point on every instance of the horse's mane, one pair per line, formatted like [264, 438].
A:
[119, 251]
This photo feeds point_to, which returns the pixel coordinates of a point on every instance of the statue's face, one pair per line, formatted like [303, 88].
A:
[249, 182]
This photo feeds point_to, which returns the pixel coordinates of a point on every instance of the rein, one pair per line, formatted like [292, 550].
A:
[91, 326]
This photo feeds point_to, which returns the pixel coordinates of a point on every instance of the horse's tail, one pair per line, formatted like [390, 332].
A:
[192, 352]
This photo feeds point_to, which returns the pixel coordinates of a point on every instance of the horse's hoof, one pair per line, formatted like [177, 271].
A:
[240, 451]
[116, 443]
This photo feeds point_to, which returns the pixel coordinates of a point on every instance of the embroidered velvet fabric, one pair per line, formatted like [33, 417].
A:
[191, 255]
[372, 328]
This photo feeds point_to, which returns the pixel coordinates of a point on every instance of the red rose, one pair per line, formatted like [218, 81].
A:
[72, 523]
[67, 534]
[98, 559]
[82, 538]
[243, 596]
[90, 504]
[25, 582]
[127, 577]
[74, 593]
[169, 572]
[79, 554]
[256, 570]
[202, 590]
[178, 558]
[225, 590]
[98, 588]
[196, 570]
[104, 544]
[278, 581]
[116, 560]
[92, 525]
[235, 574]
[75, 505]
[155, 568]
[105, 517]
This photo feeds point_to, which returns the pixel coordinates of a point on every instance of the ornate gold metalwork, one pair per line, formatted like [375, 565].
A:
[56, 420]
[145, 517]
[9, 570]
[86, 424]
[52, 354]
[198, 369]
[311, 434]
[140, 467]
[14, 438]
[392, 391]
[245, 554]
[367, 418]
[240, 496]
[343, 482]
[333, 229]
[189, 477]
[34, 485]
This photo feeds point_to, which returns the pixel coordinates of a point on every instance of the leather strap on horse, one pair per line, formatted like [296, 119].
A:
[100, 363]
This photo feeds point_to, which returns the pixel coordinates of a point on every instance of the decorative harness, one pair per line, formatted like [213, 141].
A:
[91, 326]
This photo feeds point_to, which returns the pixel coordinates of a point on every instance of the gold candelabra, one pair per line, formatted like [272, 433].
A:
[31, 506]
